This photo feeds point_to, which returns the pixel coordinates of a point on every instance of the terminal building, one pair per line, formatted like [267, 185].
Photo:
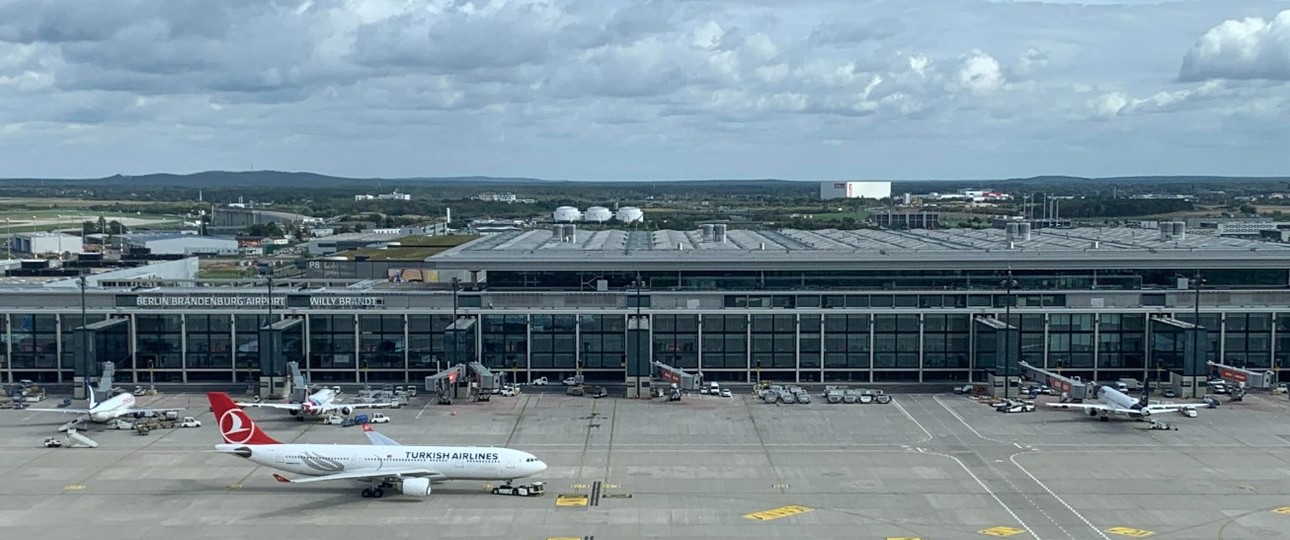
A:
[872, 306]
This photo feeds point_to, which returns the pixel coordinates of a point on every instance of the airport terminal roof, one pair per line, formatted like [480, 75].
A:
[831, 249]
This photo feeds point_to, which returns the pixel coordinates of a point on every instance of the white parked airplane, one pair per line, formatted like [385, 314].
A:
[1115, 402]
[110, 409]
[320, 403]
[385, 463]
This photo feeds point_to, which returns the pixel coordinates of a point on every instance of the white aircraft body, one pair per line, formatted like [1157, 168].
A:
[1115, 402]
[385, 463]
[110, 409]
[320, 403]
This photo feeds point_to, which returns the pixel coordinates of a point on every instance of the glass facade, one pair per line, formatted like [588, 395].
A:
[505, 342]
[846, 337]
[331, 347]
[676, 340]
[603, 339]
[724, 347]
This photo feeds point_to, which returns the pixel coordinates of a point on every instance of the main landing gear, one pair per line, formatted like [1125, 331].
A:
[377, 492]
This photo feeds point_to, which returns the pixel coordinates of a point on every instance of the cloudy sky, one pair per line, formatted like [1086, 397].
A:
[614, 89]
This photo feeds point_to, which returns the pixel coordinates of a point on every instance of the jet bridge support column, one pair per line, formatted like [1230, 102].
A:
[998, 351]
[1183, 349]
[94, 343]
[637, 356]
[275, 349]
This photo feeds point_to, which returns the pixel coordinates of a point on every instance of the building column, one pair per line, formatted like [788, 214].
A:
[639, 366]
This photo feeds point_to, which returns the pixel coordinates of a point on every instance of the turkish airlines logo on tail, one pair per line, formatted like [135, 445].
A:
[236, 426]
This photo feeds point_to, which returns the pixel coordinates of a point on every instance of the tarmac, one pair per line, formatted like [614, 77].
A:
[925, 466]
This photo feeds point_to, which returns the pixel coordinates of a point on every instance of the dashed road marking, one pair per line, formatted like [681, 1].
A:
[235, 486]
[74, 487]
[578, 486]
[904, 538]
[779, 485]
[1283, 510]
[1130, 532]
[1001, 531]
[776, 513]
[611, 486]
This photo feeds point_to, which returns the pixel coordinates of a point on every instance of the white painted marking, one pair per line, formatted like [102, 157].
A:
[992, 495]
[1018, 445]
[423, 411]
[1081, 517]
[912, 419]
[964, 422]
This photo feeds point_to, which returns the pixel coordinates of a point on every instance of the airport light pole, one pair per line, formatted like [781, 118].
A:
[267, 270]
[1195, 333]
[456, 284]
[638, 335]
[84, 322]
[1007, 320]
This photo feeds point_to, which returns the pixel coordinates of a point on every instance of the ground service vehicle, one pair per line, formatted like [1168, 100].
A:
[527, 490]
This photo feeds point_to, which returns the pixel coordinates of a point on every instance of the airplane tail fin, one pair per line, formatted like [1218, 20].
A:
[234, 425]
[90, 398]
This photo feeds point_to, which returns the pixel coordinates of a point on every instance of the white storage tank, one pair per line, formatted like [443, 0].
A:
[629, 214]
[598, 214]
[566, 214]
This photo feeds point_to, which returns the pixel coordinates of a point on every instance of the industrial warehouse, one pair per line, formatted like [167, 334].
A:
[920, 306]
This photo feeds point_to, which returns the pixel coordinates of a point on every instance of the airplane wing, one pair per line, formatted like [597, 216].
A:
[333, 407]
[1096, 407]
[154, 411]
[280, 406]
[364, 475]
[378, 439]
[66, 411]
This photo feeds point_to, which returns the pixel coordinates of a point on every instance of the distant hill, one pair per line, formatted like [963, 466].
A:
[283, 179]
[235, 179]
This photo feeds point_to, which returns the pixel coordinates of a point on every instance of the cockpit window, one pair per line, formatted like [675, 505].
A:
[530, 460]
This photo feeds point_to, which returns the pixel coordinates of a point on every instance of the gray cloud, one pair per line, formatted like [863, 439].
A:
[678, 88]
[842, 33]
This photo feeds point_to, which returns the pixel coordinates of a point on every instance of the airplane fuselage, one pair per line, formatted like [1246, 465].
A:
[448, 462]
[116, 407]
[1117, 398]
[317, 402]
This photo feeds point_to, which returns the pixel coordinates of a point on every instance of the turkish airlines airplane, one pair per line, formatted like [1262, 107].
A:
[385, 463]
[320, 403]
[1115, 402]
[111, 409]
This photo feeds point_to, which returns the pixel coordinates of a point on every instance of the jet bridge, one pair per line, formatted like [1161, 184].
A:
[447, 384]
[486, 381]
[1241, 377]
[1073, 388]
[485, 377]
[681, 379]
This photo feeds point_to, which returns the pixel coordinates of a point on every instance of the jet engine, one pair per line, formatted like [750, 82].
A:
[293, 412]
[416, 487]
[1092, 412]
[346, 411]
